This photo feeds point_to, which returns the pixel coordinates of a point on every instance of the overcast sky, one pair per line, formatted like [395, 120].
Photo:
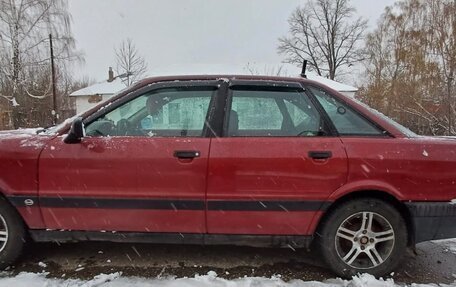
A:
[188, 36]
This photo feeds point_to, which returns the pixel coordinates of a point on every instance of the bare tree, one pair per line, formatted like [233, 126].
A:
[327, 34]
[279, 71]
[411, 63]
[25, 26]
[129, 62]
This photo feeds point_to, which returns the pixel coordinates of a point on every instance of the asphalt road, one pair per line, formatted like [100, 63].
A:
[432, 263]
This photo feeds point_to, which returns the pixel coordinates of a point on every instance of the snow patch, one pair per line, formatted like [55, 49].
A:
[211, 279]
[32, 142]
[448, 244]
[30, 131]
[18, 134]
[102, 88]
[225, 80]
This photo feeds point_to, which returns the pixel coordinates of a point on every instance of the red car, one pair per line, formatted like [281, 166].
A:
[260, 161]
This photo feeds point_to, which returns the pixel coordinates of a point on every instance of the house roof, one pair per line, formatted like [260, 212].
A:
[102, 88]
[330, 83]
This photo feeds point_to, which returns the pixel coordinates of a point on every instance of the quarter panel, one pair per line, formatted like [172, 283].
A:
[415, 169]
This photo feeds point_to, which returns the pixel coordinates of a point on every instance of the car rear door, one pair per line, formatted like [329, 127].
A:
[275, 164]
[134, 171]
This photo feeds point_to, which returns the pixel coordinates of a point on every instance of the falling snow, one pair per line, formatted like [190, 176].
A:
[365, 168]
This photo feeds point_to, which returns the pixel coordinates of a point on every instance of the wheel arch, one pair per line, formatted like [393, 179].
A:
[14, 207]
[30, 217]
[377, 194]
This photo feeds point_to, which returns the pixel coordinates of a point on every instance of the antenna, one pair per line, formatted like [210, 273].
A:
[304, 67]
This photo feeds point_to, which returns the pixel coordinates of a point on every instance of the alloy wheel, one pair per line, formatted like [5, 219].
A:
[3, 233]
[364, 240]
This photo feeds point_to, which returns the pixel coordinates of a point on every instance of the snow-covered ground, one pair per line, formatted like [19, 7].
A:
[450, 245]
[115, 279]
[211, 279]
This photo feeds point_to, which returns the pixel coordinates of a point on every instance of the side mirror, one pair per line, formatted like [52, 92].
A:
[76, 132]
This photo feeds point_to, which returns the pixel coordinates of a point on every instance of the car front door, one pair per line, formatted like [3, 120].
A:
[275, 164]
[141, 166]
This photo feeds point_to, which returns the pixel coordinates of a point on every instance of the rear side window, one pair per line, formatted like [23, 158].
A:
[272, 113]
[256, 112]
[346, 120]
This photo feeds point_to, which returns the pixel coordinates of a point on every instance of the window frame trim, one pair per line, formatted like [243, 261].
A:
[266, 85]
[206, 132]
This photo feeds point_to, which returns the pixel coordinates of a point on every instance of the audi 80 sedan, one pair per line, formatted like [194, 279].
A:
[258, 161]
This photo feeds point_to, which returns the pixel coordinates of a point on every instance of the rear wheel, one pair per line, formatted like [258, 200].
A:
[12, 234]
[363, 236]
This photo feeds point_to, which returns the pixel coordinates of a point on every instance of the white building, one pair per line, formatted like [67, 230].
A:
[90, 96]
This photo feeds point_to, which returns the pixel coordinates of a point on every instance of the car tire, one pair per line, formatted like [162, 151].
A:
[363, 236]
[12, 234]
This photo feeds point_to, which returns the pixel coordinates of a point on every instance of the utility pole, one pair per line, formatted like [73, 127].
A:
[450, 78]
[55, 115]
[449, 106]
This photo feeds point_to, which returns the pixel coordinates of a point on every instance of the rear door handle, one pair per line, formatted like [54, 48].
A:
[186, 154]
[320, 154]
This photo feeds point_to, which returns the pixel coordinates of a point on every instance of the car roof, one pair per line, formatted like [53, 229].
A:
[219, 77]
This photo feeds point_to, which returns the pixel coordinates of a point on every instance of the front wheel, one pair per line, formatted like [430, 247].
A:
[12, 234]
[363, 236]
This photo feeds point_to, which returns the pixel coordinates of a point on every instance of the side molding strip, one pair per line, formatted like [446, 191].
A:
[169, 204]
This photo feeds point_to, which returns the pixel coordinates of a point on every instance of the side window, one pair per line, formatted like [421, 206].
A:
[346, 121]
[256, 113]
[168, 112]
[304, 117]
[272, 113]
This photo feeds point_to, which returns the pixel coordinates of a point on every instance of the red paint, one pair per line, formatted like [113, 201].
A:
[142, 168]
[259, 223]
[416, 169]
[271, 169]
[183, 221]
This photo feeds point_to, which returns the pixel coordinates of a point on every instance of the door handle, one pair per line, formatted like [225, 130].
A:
[186, 154]
[320, 154]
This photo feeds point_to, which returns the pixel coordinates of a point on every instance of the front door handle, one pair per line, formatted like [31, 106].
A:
[186, 154]
[320, 154]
